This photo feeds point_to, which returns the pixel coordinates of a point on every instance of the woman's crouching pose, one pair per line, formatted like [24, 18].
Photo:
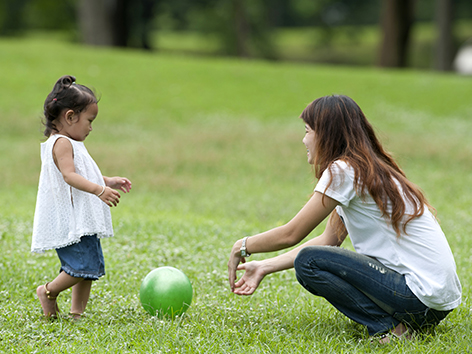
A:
[402, 275]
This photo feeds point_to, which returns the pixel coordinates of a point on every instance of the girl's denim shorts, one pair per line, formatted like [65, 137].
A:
[83, 259]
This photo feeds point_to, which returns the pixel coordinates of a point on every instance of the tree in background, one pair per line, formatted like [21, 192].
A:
[243, 28]
[96, 22]
[121, 23]
[239, 32]
[132, 23]
[12, 20]
[249, 30]
[445, 47]
[246, 28]
[396, 21]
[19, 16]
[330, 16]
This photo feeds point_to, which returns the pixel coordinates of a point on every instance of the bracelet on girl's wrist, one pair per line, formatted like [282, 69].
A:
[103, 191]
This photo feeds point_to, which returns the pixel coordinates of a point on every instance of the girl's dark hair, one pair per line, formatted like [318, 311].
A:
[342, 132]
[66, 94]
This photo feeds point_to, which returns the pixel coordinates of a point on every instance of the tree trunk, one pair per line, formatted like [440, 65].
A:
[444, 51]
[241, 28]
[96, 22]
[397, 18]
[121, 25]
[147, 16]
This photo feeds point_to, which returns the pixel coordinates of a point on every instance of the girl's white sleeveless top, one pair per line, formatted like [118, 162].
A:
[64, 214]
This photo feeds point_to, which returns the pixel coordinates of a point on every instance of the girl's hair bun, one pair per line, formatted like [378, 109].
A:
[67, 80]
[64, 82]
[65, 95]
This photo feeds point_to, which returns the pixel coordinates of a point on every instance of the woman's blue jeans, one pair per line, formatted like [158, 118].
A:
[363, 289]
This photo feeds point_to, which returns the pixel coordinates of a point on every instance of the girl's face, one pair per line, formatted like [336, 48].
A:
[309, 141]
[82, 125]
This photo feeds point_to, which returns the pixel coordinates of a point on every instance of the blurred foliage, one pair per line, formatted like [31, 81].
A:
[250, 33]
[17, 15]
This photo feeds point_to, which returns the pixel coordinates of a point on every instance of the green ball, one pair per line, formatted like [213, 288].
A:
[166, 291]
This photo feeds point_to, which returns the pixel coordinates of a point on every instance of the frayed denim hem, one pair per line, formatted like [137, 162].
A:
[86, 276]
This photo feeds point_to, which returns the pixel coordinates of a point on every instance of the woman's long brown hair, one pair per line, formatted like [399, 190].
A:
[342, 132]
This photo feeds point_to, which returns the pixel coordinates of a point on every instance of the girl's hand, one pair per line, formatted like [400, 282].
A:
[121, 183]
[251, 278]
[110, 197]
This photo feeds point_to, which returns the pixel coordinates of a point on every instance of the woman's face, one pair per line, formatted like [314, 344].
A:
[309, 141]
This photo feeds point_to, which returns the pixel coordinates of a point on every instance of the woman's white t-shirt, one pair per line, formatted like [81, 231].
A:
[423, 255]
[64, 214]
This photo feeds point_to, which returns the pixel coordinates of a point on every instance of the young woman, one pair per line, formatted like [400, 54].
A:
[402, 275]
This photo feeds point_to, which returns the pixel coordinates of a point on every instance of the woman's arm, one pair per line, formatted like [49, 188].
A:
[255, 271]
[310, 216]
[64, 158]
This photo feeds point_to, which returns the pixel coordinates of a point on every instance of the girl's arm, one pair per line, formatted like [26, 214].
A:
[64, 159]
[309, 217]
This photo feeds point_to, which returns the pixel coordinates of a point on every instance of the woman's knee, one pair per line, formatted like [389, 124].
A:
[307, 258]
[307, 270]
[312, 254]
[312, 260]
[303, 257]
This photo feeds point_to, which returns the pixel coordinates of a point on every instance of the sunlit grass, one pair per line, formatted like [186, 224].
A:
[214, 150]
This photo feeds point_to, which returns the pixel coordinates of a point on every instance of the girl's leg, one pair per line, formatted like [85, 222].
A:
[358, 286]
[80, 296]
[48, 293]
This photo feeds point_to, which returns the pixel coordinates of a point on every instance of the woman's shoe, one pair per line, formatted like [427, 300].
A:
[389, 337]
[75, 316]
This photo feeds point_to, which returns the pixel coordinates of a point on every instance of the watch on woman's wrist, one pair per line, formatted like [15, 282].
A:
[243, 250]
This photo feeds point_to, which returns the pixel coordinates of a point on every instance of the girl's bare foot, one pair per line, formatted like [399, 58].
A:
[48, 302]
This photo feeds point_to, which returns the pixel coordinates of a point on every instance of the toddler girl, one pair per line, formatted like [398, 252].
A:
[72, 209]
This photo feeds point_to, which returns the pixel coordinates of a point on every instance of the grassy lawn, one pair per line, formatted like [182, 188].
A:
[213, 148]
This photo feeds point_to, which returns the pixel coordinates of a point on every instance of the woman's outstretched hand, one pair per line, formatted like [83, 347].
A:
[234, 260]
[251, 278]
[253, 272]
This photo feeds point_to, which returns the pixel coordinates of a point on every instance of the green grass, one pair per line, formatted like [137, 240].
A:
[214, 150]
